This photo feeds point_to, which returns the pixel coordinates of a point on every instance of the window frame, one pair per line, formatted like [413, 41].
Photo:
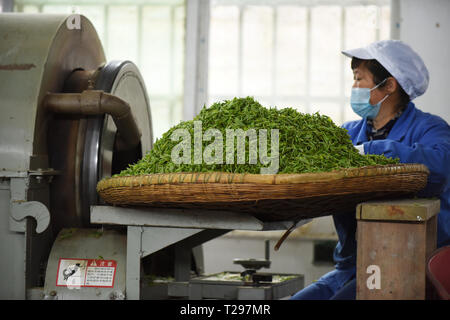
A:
[308, 98]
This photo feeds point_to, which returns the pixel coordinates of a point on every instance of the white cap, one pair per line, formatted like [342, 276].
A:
[402, 62]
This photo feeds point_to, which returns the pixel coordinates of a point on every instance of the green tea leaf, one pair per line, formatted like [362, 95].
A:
[307, 142]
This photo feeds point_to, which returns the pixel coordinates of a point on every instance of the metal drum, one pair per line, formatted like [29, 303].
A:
[50, 162]
[37, 54]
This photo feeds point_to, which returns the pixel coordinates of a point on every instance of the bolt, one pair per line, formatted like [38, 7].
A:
[116, 295]
[90, 85]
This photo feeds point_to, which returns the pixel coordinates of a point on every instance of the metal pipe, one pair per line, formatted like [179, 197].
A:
[80, 80]
[97, 102]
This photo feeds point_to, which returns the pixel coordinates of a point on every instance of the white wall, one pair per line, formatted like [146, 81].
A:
[425, 26]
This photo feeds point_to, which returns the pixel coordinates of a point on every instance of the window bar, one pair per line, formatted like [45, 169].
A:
[274, 53]
[308, 59]
[196, 56]
[105, 27]
[342, 67]
[240, 49]
[394, 32]
[179, 95]
[172, 65]
[139, 36]
[378, 23]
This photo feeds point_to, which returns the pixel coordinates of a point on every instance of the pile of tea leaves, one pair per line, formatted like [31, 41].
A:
[307, 142]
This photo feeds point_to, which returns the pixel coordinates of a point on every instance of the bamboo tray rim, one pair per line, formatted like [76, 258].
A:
[216, 177]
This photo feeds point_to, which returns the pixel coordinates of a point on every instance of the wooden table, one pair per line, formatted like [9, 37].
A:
[394, 240]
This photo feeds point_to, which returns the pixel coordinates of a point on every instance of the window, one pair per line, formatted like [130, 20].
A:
[288, 53]
[282, 52]
[148, 32]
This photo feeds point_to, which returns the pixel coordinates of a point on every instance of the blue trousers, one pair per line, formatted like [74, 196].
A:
[339, 284]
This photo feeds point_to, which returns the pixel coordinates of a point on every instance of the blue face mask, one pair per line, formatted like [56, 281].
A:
[359, 100]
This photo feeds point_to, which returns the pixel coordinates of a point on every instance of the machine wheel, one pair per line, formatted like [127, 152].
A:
[101, 157]
[86, 149]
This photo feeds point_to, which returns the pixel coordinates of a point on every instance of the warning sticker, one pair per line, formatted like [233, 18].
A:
[86, 273]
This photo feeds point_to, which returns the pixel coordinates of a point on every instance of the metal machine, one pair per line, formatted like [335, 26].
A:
[68, 119]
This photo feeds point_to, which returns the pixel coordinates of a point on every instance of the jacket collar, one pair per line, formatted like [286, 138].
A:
[403, 123]
[399, 129]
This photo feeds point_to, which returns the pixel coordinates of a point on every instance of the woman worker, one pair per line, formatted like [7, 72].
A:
[388, 75]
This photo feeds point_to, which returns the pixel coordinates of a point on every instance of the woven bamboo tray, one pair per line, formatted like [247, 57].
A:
[271, 197]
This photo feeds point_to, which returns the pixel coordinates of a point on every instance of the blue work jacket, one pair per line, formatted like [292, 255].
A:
[416, 137]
